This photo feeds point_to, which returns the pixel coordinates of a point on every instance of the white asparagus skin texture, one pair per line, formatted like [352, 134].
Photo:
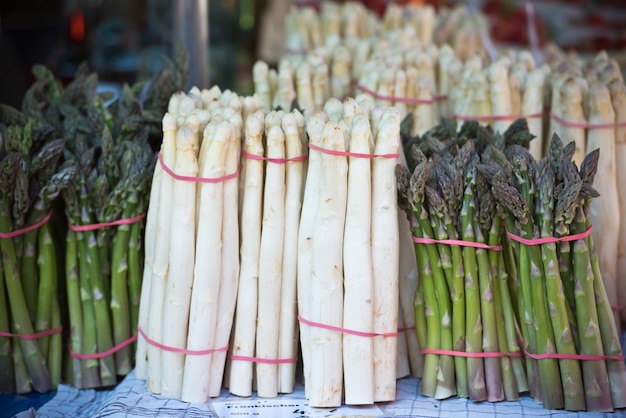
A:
[288, 340]
[532, 104]
[326, 291]
[358, 274]
[500, 96]
[230, 262]
[314, 126]
[605, 211]
[207, 269]
[385, 258]
[618, 99]
[181, 262]
[571, 105]
[141, 362]
[245, 316]
[161, 255]
[262, 88]
[270, 266]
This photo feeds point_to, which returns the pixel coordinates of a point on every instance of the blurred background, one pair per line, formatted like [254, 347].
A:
[123, 39]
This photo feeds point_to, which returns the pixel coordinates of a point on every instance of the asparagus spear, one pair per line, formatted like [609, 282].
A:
[7, 376]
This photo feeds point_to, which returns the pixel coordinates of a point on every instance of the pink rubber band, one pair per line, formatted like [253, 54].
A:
[92, 227]
[457, 242]
[264, 360]
[9, 235]
[549, 240]
[196, 179]
[405, 329]
[496, 117]
[107, 353]
[573, 356]
[35, 336]
[351, 154]
[396, 99]
[469, 355]
[346, 331]
[586, 125]
[273, 160]
[617, 308]
[179, 350]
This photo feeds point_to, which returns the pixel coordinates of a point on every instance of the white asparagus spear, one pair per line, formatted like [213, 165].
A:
[571, 105]
[334, 109]
[532, 104]
[245, 319]
[358, 280]
[425, 65]
[618, 100]
[181, 264]
[314, 126]
[230, 260]
[517, 78]
[272, 76]
[605, 212]
[326, 288]
[424, 113]
[400, 90]
[340, 75]
[385, 241]
[207, 269]
[286, 85]
[304, 88]
[499, 96]
[320, 85]
[293, 203]
[161, 255]
[260, 77]
[270, 266]
[385, 86]
[210, 95]
[446, 57]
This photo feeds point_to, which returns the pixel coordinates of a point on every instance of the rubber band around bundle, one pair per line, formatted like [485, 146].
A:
[550, 240]
[263, 360]
[196, 179]
[405, 329]
[22, 231]
[488, 354]
[34, 336]
[617, 308]
[460, 243]
[586, 125]
[494, 118]
[345, 330]
[408, 100]
[179, 350]
[351, 154]
[273, 160]
[104, 354]
[93, 227]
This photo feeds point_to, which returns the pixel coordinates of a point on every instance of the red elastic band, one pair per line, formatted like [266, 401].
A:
[405, 329]
[617, 308]
[196, 179]
[496, 117]
[573, 356]
[460, 243]
[32, 336]
[586, 125]
[264, 360]
[179, 350]
[396, 99]
[549, 240]
[351, 154]
[347, 331]
[469, 355]
[92, 227]
[9, 235]
[273, 160]
[107, 353]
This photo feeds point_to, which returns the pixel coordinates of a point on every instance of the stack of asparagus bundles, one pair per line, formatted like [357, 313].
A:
[265, 339]
[587, 106]
[348, 255]
[538, 281]
[192, 241]
[30, 306]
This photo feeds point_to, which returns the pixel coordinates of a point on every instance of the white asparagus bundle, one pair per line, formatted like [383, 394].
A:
[532, 104]
[358, 273]
[605, 212]
[385, 256]
[618, 100]
[207, 269]
[241, 371]
[230, 258]
[181, 264]
[326, 286]
[161, 255]
[294, 174]
[270, 266]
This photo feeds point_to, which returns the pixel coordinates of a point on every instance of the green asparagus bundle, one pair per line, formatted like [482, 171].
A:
[30, 181]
